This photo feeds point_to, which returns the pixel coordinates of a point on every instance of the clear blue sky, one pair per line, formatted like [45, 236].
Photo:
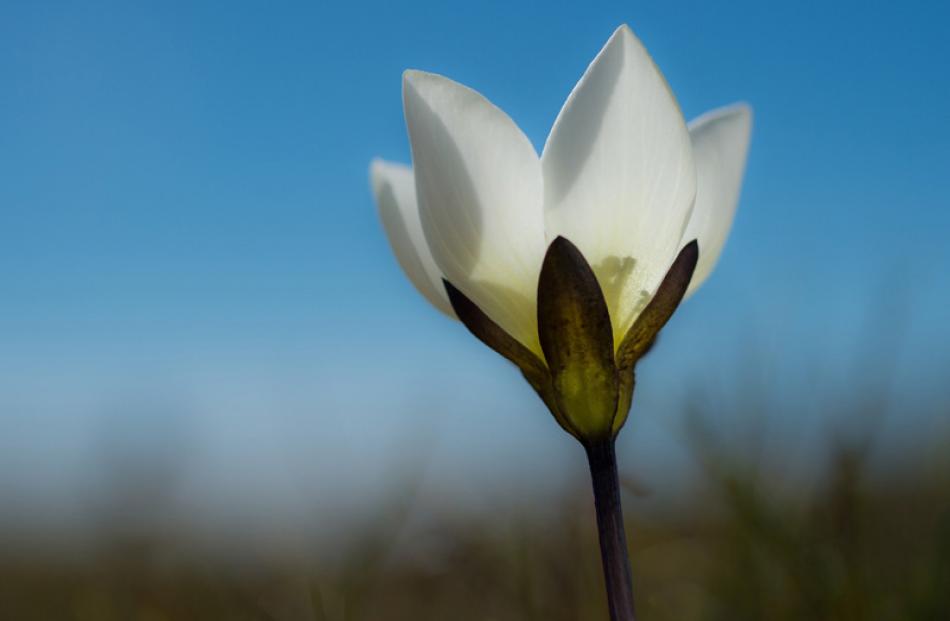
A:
[184, 204]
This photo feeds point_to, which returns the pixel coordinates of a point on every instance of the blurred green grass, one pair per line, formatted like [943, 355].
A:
[852, 547]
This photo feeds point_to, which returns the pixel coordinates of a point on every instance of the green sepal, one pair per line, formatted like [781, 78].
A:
[491, 334]
[641, 336]
[627, 379]
[576, 337]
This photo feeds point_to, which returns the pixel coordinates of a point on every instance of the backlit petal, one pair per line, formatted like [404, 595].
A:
[478, 181]
[618, 175]
[720, 143]
[394, 187]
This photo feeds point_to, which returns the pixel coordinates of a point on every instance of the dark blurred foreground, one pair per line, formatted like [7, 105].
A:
[854, 546]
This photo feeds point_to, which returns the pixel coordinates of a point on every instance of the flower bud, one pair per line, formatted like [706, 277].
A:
[584, 379]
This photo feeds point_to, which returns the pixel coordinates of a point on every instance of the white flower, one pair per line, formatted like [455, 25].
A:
[621, 176]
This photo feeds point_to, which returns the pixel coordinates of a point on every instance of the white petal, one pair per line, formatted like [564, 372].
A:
[618, 175]
[478, 181]
[394, 187]
[720, 143]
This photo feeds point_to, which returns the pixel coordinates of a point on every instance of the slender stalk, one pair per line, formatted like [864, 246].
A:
[613, 540]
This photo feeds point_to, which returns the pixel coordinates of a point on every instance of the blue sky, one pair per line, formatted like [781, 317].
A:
[185, 211]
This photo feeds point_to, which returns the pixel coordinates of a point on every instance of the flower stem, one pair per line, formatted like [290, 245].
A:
[613, 540]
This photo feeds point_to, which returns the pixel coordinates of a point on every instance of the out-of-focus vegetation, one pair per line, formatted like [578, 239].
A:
[854, 546]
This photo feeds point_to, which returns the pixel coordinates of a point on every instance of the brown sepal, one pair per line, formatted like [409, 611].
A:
[490, 333]
[576, 337]
[667, 298]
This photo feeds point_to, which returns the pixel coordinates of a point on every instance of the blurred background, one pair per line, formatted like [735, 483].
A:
[220, 397]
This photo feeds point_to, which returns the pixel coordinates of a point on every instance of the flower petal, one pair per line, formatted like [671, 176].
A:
[394, 187]
[618, 175]
[720, 143]
[478, 181]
